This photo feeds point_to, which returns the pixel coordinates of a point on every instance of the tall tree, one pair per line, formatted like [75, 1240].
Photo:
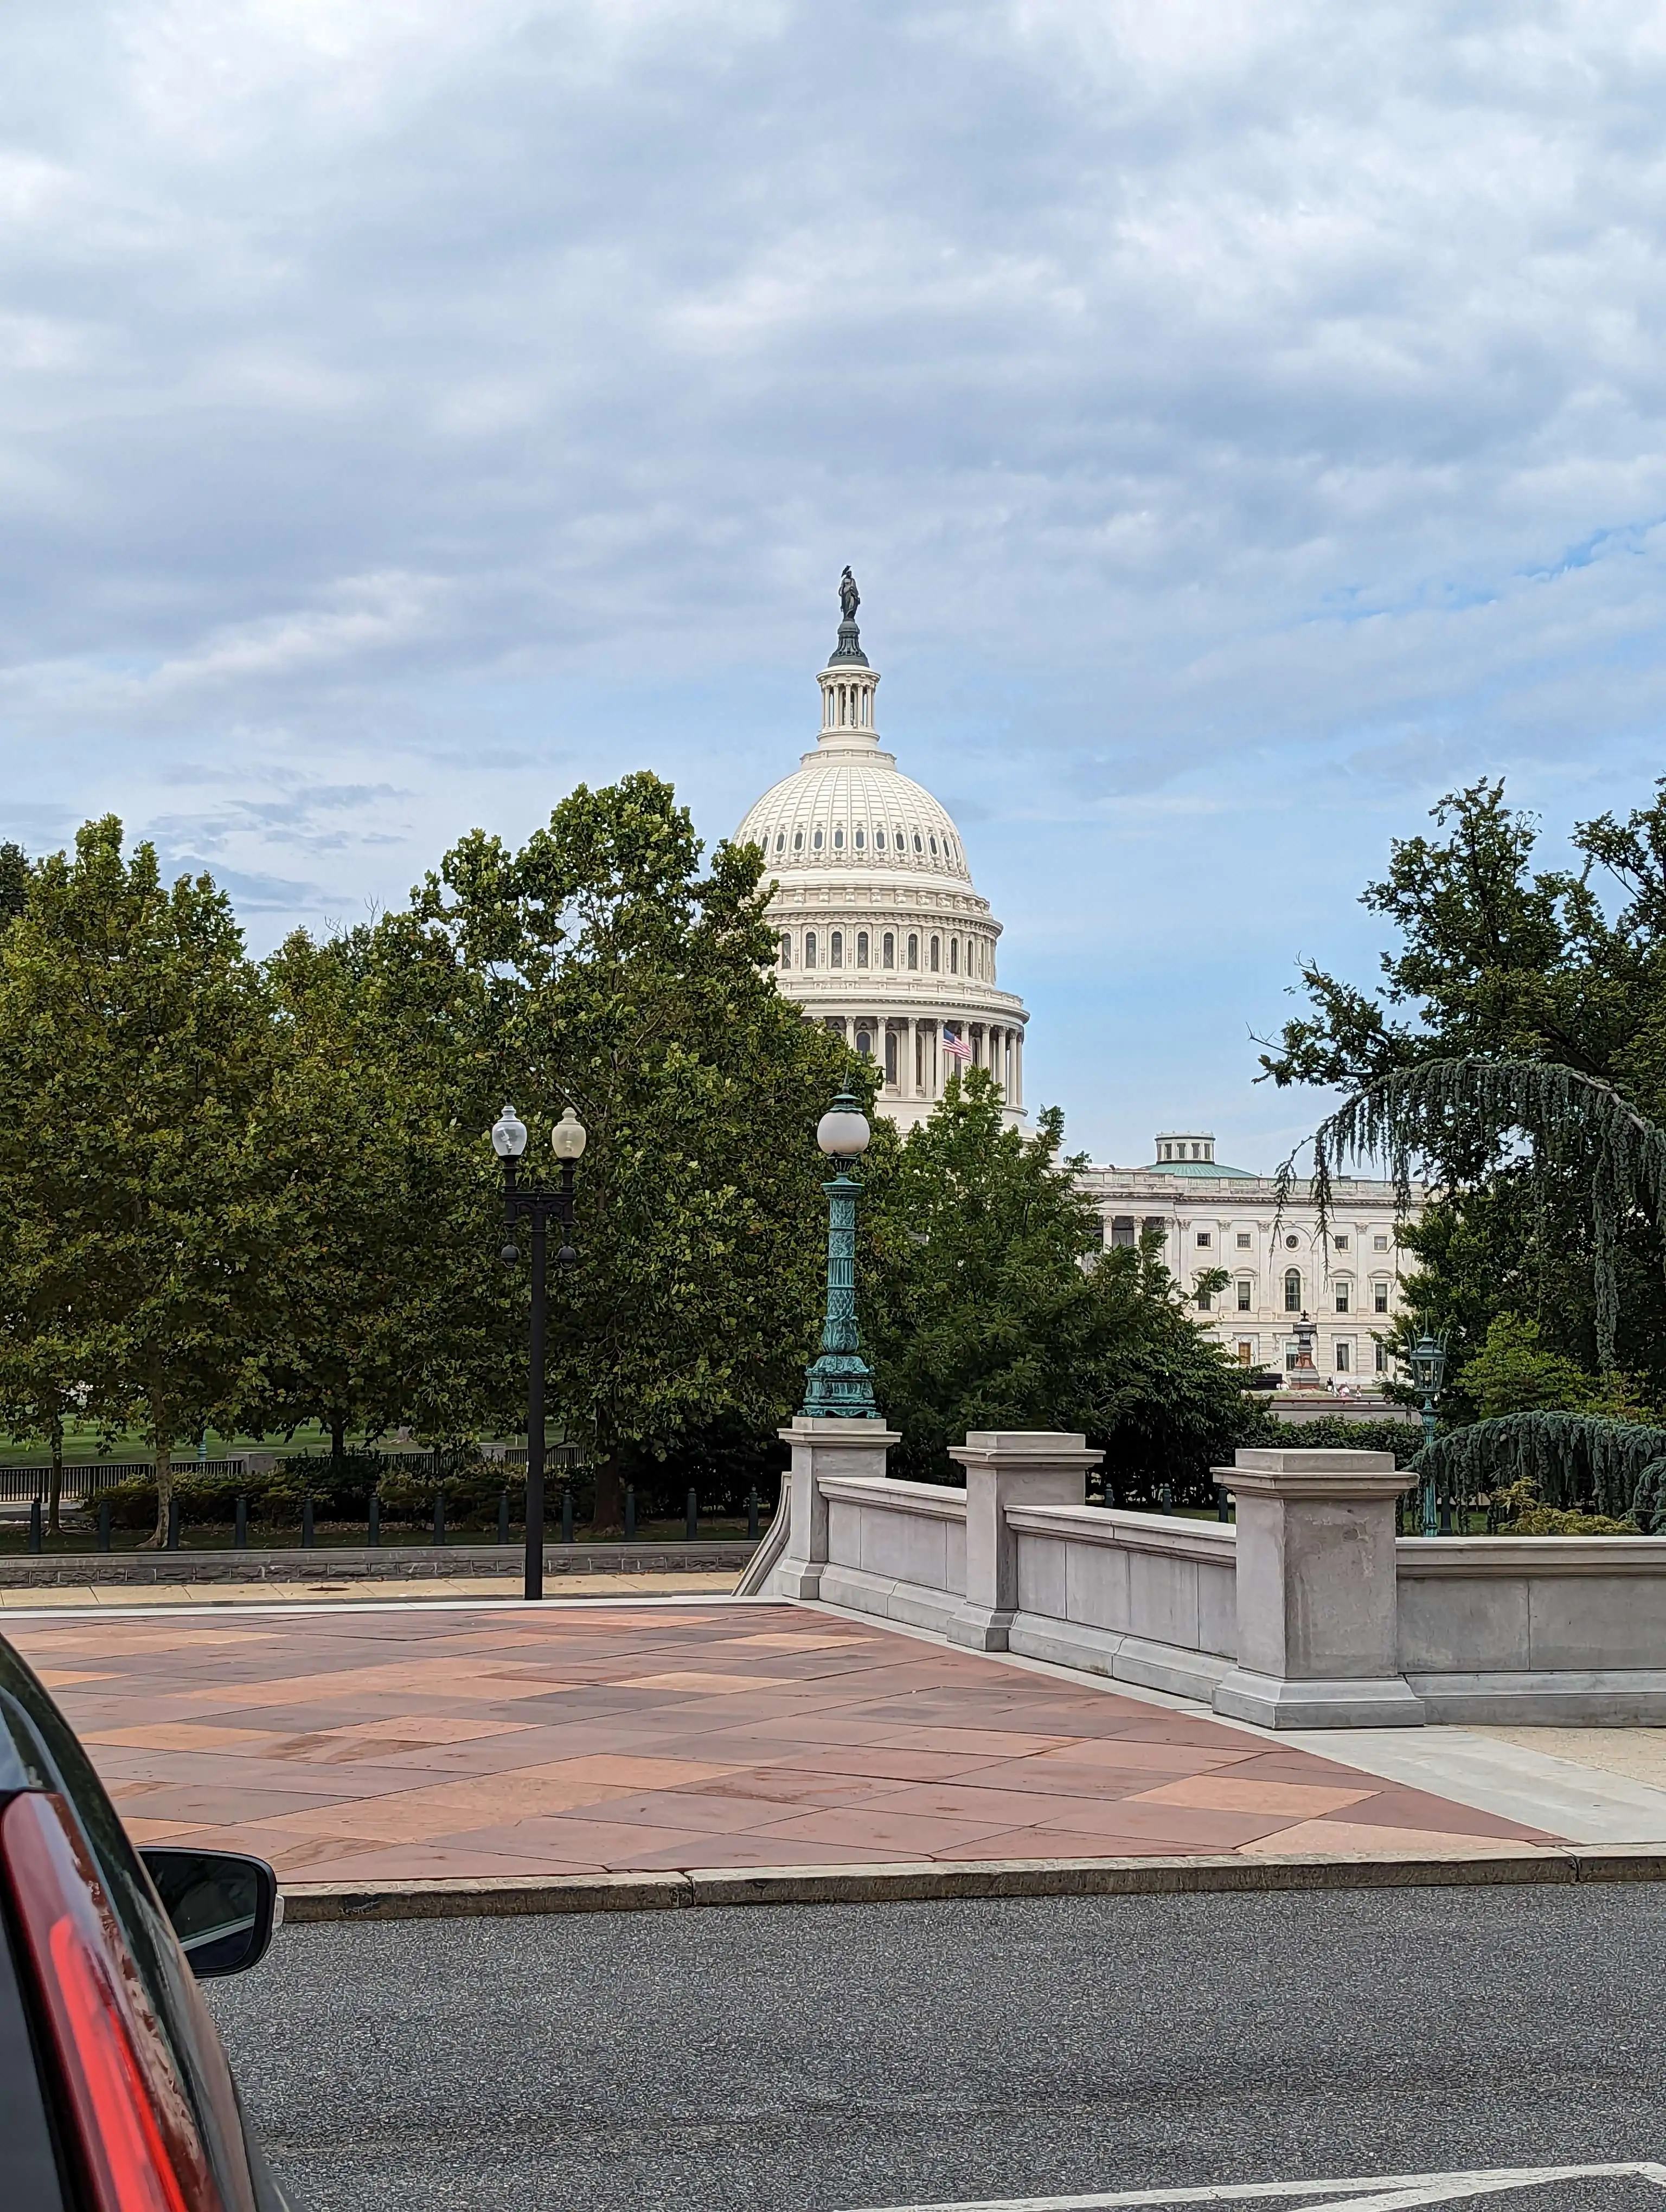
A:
[1497, 960]
[135, 1066]
[988, 1303]
[616, 976]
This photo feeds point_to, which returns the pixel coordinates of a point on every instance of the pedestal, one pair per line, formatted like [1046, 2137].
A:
[821, 1447]
[1008, 1467]
[1317, 1597]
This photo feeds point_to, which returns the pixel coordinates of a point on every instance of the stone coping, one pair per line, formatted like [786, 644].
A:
[1118, 1528]
[932, 1501]
[362, 1563]
[930, 1880]
[1428, 1558]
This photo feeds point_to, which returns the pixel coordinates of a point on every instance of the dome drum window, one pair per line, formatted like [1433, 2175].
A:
[887, 950]
[914, 952]
[809, 948]
[836, 948]
[817, 840]
[861, 948]
[786, 949]
[936, 962]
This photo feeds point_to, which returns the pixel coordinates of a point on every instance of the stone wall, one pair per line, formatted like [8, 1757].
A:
[1308, 1613]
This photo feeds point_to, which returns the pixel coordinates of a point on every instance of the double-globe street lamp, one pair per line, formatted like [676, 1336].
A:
[566, 1140]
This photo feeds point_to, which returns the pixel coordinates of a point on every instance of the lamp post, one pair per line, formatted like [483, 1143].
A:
[837, 1386]
[1428, 1360]
[539, 1207]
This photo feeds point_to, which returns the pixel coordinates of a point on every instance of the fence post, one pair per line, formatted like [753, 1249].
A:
[240, 1526]
[104, 1524]
[173, 1524]
[306, 1520]
[439, 1516]
[502, 1516]
[566, 1512]
[373, 1535]
[35, 1524]
[630, 1513]
[694, 1516]
[751, 1515]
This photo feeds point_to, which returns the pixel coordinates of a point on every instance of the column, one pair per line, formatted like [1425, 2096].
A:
[821, 1446]
[1317, 1596]
[1008, 1467]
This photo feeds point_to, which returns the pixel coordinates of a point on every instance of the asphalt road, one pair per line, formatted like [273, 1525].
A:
[840, 2056]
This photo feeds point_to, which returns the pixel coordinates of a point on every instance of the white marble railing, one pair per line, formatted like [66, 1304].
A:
[1307, 1614]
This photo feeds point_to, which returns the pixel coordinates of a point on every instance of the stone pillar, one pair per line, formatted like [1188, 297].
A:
[822, 1447]
[1317, 1598]
[1008, 1467]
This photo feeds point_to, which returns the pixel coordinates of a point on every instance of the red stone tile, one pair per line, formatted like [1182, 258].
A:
[900, 1835]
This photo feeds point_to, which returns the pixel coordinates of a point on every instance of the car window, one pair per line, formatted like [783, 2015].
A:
[166, 1980]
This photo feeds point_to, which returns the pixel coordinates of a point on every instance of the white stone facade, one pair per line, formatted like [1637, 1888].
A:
[1347, 1281]
[881, 933]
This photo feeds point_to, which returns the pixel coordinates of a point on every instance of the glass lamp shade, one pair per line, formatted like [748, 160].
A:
[508, 1135]
[843, 1132]
[570, 1136]
[1428, 1363]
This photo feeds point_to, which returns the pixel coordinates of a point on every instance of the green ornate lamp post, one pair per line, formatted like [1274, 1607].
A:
[1428, 1358]
[837, 1385]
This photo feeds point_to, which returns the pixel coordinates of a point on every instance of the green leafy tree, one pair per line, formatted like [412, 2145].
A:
[135, 1066]
[14, 881]
[1512, 1373]
[987, 1301]
[616, 976]
[1498, 964]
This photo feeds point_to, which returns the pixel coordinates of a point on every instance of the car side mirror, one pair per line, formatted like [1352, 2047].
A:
[223, 1906]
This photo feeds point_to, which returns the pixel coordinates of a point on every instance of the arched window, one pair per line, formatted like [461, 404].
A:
[798, 841]
[836, 948]
[781, 841]
[861, 839]
[914, 951]
[954, 955]
[817, 840]
[933, 849]
[838, 839]
[865, 1043]
[918, 846]
[887, 950]
[879, 841]
[786, 949]
[861, 948]
[891, 1058]
[1293, 1290]
[936, 955]
[809, 948]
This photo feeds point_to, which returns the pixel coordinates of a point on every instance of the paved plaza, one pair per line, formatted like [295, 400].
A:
[389, 1742]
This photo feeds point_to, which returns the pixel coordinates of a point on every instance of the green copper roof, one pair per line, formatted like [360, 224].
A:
[1204, 1170]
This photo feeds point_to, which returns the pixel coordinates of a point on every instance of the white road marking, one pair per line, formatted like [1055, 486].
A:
[1381, 2192]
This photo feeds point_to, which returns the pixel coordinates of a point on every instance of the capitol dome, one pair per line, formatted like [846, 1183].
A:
[880, 932]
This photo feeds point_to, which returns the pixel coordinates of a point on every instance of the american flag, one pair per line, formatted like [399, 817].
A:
[955, 1048]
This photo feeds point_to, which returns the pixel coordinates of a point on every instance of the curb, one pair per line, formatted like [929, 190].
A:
[926, 1880]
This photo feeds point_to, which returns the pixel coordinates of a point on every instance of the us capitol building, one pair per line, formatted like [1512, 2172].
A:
[881, 935]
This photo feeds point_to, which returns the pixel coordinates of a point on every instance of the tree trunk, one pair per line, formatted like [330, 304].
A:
[55, 1481]
[337, 1435]
[161, 1433]
[610, 1494]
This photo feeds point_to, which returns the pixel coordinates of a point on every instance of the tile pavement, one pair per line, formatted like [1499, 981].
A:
[392, 1743]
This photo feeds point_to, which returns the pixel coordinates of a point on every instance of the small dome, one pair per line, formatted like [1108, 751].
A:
[844, 811]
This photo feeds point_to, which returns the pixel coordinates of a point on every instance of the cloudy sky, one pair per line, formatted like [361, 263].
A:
[1245, 422]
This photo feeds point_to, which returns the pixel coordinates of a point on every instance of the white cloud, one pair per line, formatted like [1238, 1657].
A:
[1241, 415]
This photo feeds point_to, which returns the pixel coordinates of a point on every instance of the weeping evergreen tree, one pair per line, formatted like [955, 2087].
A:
[1565, 1460]
[1464, 1118]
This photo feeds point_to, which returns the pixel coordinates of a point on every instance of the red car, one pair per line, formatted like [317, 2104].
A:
[115, 2095]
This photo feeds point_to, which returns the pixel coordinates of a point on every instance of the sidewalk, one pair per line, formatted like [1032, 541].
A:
[377, 1742]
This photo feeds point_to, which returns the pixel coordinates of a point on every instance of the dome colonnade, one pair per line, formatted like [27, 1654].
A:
[879, 932]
